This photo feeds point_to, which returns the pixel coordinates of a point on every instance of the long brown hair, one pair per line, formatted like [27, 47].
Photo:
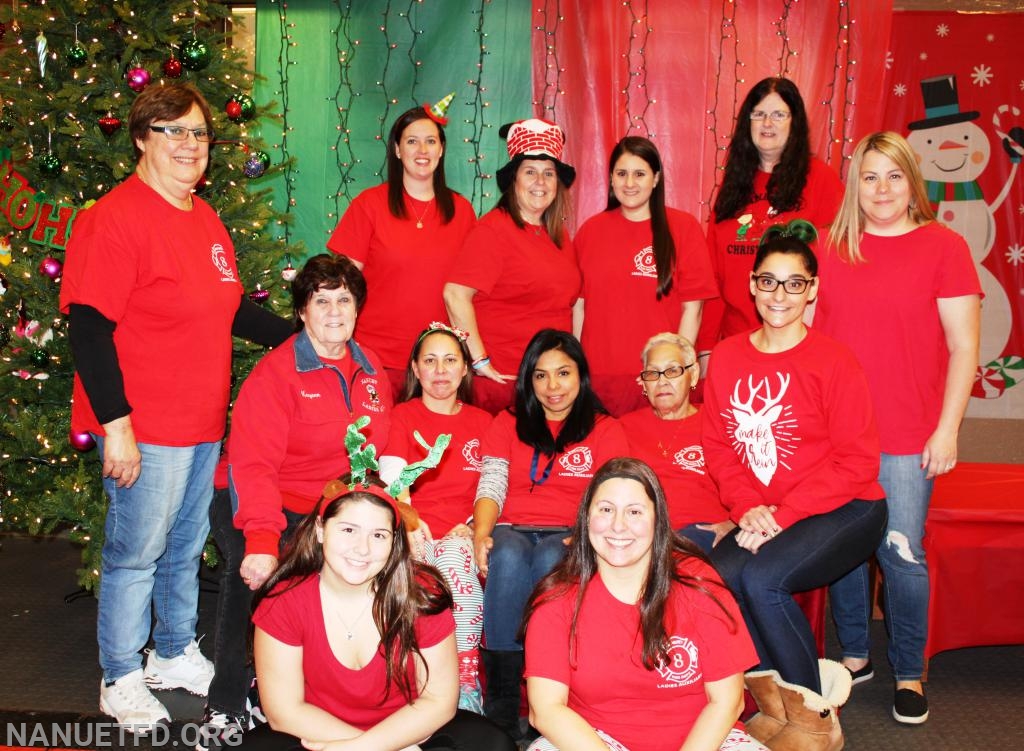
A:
[396, 186]
[668, 551]
[402, 590]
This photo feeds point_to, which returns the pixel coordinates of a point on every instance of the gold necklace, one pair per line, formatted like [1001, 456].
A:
[419, 219]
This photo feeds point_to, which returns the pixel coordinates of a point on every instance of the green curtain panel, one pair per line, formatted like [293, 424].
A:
[339, 73]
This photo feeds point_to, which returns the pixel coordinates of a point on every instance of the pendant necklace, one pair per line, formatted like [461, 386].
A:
[419, 219]
[350, 630]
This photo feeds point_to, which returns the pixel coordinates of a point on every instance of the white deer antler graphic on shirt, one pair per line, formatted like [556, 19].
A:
[754, 427]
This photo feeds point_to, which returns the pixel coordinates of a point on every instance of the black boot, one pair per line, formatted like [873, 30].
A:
[504, 671]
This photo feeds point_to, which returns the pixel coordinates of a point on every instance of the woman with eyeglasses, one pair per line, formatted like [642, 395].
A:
[790, 440]
[667, 436]
[651, 258]
[537, 462]
[152, 295]
[770, 177]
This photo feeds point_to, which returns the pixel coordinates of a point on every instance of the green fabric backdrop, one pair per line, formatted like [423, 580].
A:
[305, 39]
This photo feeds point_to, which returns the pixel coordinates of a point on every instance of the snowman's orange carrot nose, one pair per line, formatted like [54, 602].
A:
[952, 145]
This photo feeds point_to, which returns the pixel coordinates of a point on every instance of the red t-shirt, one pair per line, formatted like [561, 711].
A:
[609, 687]
[443, 496]
[673, 450]
[552, 501]
[734, 242]
[524, 283]
[619, 275]
[792, 429]
[296, 618]
[884, 309]
[167, 278]
[288, 434]
[405, 266]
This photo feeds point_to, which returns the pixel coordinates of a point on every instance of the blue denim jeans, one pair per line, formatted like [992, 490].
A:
[517, 562]
[702, 538]
[905, 571]
[154, 535]
[812, 553]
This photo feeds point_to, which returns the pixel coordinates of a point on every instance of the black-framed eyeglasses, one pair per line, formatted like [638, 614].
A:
[775, 116]
[180, 132]
[793, 286]
[672, 372]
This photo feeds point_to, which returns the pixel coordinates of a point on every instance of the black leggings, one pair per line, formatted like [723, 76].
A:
[465, 732]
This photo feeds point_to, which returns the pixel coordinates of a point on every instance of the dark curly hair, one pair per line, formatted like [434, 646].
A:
[788, 178]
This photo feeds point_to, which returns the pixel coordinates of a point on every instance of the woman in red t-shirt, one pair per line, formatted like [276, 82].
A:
[354, 640]
[404, 235]
[770, 177]
[633, 642]
[667, 435]
[651, 259]
[516, 272]
[536, 463]
[438, 391]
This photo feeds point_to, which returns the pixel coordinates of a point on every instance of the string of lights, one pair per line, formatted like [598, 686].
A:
[782, 25]
[839, 86]
[552, 70]
[636, 62]
[727, 31]
[382, 83]
[344, 95]
[284, 63]
[477, 121]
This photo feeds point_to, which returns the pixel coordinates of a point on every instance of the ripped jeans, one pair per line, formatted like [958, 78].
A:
[902, 560]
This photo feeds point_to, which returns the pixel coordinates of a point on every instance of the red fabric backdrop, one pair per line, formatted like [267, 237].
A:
[677, 70]
[981, 52]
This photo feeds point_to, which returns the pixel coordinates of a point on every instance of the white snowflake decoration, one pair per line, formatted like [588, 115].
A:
[1022, 84]
[942, 30]
[889, 60]
[1015, 254]
[990, 37]
[982, 75]
[923, 56]
[899, 89]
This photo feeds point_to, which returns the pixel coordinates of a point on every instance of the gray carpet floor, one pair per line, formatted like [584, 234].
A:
[48, 665]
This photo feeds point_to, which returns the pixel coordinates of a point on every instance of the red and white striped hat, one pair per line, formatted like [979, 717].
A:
[533, 139]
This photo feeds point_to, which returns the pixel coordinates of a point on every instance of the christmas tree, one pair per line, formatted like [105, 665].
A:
[69, 71]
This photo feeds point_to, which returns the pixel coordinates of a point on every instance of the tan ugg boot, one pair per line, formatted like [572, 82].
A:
[763, 685]
[812, 720]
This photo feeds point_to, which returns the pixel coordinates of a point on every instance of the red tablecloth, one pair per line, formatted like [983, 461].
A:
[974, 543]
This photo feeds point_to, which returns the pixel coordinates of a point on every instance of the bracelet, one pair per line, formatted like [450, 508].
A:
[481, 363]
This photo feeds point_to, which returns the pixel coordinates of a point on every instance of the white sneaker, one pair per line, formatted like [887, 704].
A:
[189, 670]
[128, 700]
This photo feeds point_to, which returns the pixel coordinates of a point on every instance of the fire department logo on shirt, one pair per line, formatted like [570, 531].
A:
[644, 262]
[372, 401]
[682, 668]
[577, 462]
[690, 459]
[471, 453]
[220, 262]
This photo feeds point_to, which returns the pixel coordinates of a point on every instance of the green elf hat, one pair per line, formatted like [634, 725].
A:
[436, 112]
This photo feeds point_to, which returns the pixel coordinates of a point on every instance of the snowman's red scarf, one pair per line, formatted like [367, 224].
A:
[966, 191]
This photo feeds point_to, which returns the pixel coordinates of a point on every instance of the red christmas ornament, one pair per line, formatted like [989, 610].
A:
[259, 295]
[138, 79]
[172, 67]
[233, 110]
[109, 124]
[81, 440]
[51, 267]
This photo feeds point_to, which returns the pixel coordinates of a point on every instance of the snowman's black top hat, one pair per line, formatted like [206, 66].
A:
[941, 104]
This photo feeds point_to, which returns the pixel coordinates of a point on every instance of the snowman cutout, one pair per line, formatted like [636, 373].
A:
[952, 152]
